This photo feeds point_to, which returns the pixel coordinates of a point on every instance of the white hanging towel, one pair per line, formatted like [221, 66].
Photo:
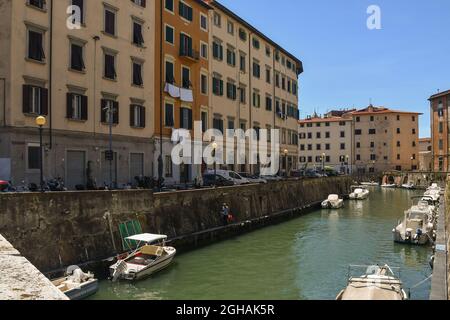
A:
[186, 95]
[172, 90]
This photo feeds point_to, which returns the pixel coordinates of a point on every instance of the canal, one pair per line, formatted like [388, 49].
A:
[305, 258]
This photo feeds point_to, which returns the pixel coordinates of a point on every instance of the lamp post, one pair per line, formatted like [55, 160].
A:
[286, 152]
[41, 121]
[373, 166]
[323, 163]
[214, 146]
[347, 159]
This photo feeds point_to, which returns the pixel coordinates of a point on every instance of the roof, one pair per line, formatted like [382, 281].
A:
[371, 110]
[147, 237]
[317, 120]
[440, 94]
[220, 6]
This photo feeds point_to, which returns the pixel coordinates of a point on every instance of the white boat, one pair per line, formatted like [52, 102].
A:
[147, 259]
[359, 193]
[370, 184]
[333, 202]
[77, 285]
[409, 186]
[417, 226]
[389, 185]
[434, 192]
[377, 283]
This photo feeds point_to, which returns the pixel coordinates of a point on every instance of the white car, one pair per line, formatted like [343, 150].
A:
[231, 176]
[252, 178]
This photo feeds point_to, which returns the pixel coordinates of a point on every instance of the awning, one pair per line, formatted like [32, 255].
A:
[147, 237]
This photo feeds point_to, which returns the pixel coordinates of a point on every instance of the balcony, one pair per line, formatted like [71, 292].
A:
[190, 54]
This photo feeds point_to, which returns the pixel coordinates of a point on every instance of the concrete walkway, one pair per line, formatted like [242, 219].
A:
[20, 280]
[439, 279]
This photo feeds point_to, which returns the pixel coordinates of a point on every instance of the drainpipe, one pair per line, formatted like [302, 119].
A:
[4, 101]
[250, 91]
[161, 59]
[50, 88]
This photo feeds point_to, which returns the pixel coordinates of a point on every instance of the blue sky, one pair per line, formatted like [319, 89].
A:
[346, 64]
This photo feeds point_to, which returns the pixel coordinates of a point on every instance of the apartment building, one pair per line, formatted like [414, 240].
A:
[326, 141]
[182, 80]
[373, 139]
[439, 107]
[254, 84]
[385, 139]
[86, 81]
[425, 155]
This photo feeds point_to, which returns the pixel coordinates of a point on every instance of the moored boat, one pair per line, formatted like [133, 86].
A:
[151, 255]
[389, 185]
[359, 193]
[333, 202]
[77, 285]
[370, 184]
[377, 283]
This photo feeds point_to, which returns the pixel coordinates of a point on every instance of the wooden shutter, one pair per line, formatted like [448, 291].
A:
[69, 109]
[190, 119]
[116, 112]
[26, 93]
[142, 110]
[132, 124]
[44, 101]
[103, 111]
[84, 107]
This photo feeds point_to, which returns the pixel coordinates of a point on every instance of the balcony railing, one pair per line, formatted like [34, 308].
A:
[190, 54]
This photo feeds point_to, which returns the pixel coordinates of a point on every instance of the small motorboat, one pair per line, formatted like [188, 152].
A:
[409, 186]
[417, 226]
[370, 184]
[389, 185]
[76, 284]
[147, 259]
[434, 192]
[333, 202]
[359, 193]
[377, 283]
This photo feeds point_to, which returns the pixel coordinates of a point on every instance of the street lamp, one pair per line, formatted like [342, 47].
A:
[41, 121]
[286, 152]
[215, 146]
[373, 166]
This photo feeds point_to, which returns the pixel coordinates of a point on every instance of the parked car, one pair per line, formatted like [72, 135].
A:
[210, 180]
[230, 175]
[310, 173]
[252, 178]
[272, 178]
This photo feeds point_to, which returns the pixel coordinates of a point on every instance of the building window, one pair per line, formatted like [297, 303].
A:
[242, 34]
[318, 147]
[256, 70]
[327, 146]
[217, 20]
[256, 99]
[327, 135]
[358, 145]
[110, 66]
[269, 103]
[242, 95]
[80, 5]
[204, 117]
[110, 21]
[138, 39]
[358, 157]
[35, 100]
[218, 124]
[342, 146]
[217, 86]
[358, 132]
[141, 3]
[230, 27]
[77, 106]
[268, 76]
[231, 57]
[372, 131]
[204, 50]
[169, 5]
[170, 72]
[256, 43]
[231, 91]
[137, 74]
[398, 130]
[398, 144]
[342, 134]
[169, 34]
[76, 57]
[109, 111]
[137, 116]
[186, 118]
[217, 51]
[168, 115]
[413, 131]
[185, 11]
[35, 45]
[186, 77]
[33, 156]
[318, 135]
[186, 46]
[204, 84]
[203, 22]
[242, 63]
[37, 3]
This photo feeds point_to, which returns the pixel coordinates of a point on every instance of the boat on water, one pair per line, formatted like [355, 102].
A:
[333, 202]
[151, 255]
[418, 225]
[434, 192]
[76, 284]
[389, 185]
[409, 186]
[359, 193]
[376, 283]
[370, 184]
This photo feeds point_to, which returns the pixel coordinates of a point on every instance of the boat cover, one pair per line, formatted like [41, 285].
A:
[147, 237]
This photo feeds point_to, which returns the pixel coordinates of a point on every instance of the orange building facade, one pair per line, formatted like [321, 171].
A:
[440, 106]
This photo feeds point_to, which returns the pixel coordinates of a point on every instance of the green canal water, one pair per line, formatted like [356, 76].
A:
[305, 258]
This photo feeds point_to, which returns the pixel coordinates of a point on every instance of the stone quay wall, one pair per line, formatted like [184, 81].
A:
[54, 230]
